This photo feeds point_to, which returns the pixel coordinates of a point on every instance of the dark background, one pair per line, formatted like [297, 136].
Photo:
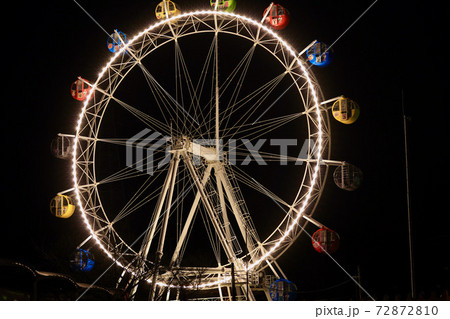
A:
[394, 50]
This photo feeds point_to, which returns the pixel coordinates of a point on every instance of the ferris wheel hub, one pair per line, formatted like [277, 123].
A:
[200, 148]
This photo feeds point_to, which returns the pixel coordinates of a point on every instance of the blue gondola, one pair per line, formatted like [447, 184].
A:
[319, 54]
[282, 290]
[116, 41]
[82, 260]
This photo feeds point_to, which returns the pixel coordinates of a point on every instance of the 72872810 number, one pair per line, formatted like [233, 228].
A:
[407, 310]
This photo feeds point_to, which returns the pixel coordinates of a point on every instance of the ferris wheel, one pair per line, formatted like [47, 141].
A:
[200, 152]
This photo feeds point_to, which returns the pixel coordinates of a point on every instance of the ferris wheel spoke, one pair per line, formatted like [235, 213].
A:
[205, 115]
[167, 104]
[216, 86]
[122, 175]
[148, 120]
[136, 202]
[243, 156]
[253, 101]
[249, 100]
[145, 118]
[162, 96]
[136, 170]
[253, 131]
[105, 140]
[133, 204]
[248, 180]
[194, 107]
[241, 69]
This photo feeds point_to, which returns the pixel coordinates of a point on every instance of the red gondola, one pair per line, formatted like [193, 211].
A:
[325, 240]
[278, 17]
[80, 89]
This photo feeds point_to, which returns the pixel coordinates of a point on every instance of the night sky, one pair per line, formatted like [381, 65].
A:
[393, 48]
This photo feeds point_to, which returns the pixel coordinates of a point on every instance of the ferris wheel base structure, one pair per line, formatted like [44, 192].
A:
[233, 287]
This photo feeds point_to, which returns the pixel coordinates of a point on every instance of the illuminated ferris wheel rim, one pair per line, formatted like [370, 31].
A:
[319, 143]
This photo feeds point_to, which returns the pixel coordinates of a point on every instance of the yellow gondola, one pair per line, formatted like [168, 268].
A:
[345, 110]
[62, 206]
[171, 7]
